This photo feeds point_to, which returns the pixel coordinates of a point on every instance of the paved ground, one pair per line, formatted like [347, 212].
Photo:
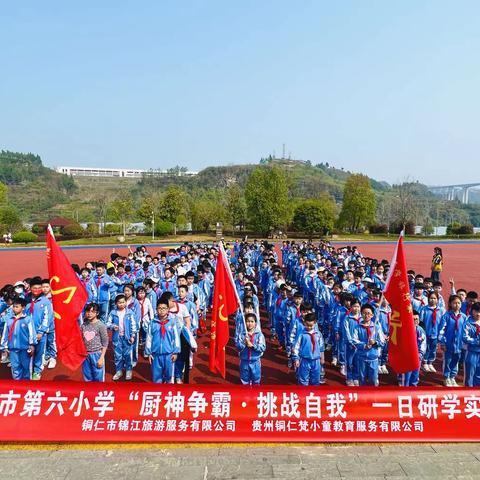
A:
[246, 462]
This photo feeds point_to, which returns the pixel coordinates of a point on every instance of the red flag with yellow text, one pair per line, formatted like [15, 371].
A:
[69, 297]
[225, 303]
[402, 346]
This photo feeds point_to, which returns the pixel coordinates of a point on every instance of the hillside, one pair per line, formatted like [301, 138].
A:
[38, 191]
[33, 188]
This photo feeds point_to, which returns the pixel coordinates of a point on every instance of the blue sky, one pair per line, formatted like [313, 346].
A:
[388, 88]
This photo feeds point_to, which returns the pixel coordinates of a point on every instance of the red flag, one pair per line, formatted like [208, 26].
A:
[225, 303]
[69, 297]
[402, 346]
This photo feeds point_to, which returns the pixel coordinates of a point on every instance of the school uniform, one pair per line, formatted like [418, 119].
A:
[102, 284]
[348, 327]
[368, 358]
[121, 338]
[250, 363]
[308, 349]
[450, 335]
[18, 337]
[163, 341]
[41, 311]
[411, 379]
[95, 338]
[471, 338]
[431, 319]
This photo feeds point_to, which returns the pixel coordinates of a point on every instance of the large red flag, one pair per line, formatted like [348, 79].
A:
[225, 303]
[402, 346]
[69, 297]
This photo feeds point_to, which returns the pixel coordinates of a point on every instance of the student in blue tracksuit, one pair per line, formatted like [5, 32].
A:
[251, 345]
[368, 338]
[451, 339]
[123, 324]
[471, 338]
[308, 353]
[102, 284]
[138, 274]
[411, 379]
[51, 345]
[95, 338]
[162, 344]
[40, 309]
[350, 322]
[19, 340]
[431, 315]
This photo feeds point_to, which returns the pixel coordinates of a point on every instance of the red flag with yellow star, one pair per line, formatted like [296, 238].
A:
[225, 303]
[69, 297]
[402, 346]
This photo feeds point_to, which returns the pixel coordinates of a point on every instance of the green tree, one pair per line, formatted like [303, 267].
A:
[358, 208]
[122, 209]
[10, 218]
[235, 206]
[149, 208]
[173, 205]
[3, 193]
[315, 216]
[266, 194]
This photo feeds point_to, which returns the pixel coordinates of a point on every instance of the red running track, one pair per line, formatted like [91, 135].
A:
[462, 261]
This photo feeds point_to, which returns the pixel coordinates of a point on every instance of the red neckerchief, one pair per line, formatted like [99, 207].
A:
[279, 301]
[12, 327]
[357, 319]
[98, 281]
[167, 283]
[369, 332]
[141, 307]
[477, 328]
[163, 329]
[177, 310]
[252, 338]
[312, 339]
[298, 314]
[469, 307]
[434, 316]
[456, 318]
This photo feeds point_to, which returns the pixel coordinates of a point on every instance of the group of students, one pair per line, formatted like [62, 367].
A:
[316, 298]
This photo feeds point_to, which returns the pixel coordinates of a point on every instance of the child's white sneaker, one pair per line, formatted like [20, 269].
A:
[117, 376]
[334, 361]
[128, 375]
[52, 363]
[432, 368]
[448, 382]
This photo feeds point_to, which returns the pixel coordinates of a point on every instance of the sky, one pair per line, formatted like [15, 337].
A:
[386, 88]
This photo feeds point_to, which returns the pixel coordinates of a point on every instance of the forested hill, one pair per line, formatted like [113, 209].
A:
[33, 188]
[305, 180]
[38, 191]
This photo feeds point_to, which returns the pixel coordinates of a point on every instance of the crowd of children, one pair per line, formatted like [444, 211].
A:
[314, 299]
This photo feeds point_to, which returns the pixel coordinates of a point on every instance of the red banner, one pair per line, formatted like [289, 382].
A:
[69, 297]
[129, 412]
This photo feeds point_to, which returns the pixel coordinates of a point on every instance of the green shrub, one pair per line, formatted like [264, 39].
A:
[378, 228]
[163, 228]
[93, 229]
[39, 228]
[24, 237]
[72, 230]
[115, 228]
